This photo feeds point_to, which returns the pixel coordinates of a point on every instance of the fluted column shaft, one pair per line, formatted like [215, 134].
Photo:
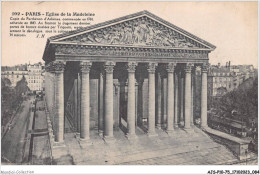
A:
[204, 96]
[176, 101]
[76, 102]
[85, 100]
[151, 98]
[108, 117]
[187, 95]
[53, 92]
[170, 97]
[159, 101]
[101, 103]
[52, 99]
[47, 89]
[58, 68]
[181, 83]
[131, 99]
[192, 95]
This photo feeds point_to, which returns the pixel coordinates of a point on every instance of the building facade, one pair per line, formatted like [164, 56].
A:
[33, 74]
[223, 79]
[35, 78]
[14, 74]
[137, 70]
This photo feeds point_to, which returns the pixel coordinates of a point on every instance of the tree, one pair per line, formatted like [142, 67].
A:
[5, 82]
[5, 88]
[7, 99]
[244, 100]
[21, 86]
[221, 91]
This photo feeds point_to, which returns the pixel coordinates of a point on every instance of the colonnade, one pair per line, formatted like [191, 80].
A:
[55, 98]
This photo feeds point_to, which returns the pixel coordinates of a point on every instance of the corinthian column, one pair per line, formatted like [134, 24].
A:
[192, 98]
[159, 101]
[100, 104]
[131, 100]
[176, 101]
[181, 94]
[85, 111]
[170, 97]
[204, 74]
[58, 67]
[151, 99]
[108, 119]
[187, 95]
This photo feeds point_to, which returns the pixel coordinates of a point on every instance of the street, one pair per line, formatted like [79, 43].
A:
[14, 142]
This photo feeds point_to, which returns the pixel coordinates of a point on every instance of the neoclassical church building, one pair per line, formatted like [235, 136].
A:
[129, 72]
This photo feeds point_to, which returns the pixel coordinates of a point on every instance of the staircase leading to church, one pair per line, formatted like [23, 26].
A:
[195, 148]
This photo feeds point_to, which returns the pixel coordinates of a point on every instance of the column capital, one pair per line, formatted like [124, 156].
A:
[85, 66]
[55, 66]
[188, 67]
[152, 67]
[131, 66]
[109, 66]
[170, 67]
[204, 67]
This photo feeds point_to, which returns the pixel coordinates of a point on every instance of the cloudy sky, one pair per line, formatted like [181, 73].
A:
[231, 26]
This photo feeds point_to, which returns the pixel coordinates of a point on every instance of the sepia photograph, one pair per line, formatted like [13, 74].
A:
[129, 83]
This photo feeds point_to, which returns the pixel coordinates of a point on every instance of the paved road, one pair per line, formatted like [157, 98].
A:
[13, 143]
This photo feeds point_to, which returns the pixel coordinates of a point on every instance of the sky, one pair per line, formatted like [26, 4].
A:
[231, 26]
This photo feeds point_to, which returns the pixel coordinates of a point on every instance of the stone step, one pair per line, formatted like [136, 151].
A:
[154, 154]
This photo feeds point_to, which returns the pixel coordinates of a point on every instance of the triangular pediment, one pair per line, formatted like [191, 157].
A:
[142, 29]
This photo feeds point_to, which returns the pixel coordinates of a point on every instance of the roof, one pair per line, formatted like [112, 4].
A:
[65, 37]
[222, 70]
[14, 68]
[138, 14]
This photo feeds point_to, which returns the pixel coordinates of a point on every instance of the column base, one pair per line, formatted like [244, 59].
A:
[58, 144]
[159, 126]
[152, 134]
[189, 130]
[58, 150]
[109, 139]
[131, 136]
[100, 133]
[85, 142]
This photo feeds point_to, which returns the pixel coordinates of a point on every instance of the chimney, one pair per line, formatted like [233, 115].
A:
[229, 63]
[218, 65]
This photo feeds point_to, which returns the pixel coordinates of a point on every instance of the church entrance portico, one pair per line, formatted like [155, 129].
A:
[134, 71]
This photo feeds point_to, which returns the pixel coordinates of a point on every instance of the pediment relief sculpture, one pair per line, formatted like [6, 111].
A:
[137, 32]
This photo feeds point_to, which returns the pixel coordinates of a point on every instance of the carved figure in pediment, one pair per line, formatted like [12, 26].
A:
[127, 37]
[137, 33]
[140, 33]
[150, 36]
[115, 37]
[165, 42]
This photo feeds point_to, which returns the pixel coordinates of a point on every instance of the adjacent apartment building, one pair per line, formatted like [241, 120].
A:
[222, 79]
[14, 73]
[35, 78]
[33, 73]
